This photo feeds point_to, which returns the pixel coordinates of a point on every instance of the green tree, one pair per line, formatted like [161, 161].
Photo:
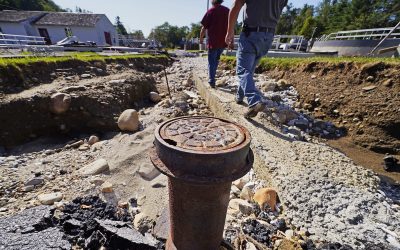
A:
[194, 32]
[120, 26]
[41, 5]
[168, 35]
[137, 34]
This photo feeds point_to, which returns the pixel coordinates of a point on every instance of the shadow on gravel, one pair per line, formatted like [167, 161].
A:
[270, 131]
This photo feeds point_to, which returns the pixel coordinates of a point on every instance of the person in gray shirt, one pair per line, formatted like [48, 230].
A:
[260, 21]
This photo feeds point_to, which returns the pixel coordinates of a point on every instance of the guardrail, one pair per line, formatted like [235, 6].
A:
[364, 34]
[18, 40]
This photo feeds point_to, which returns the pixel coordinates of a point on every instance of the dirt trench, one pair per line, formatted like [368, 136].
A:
[95, 105]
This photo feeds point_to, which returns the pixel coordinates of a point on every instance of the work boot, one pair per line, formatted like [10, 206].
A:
[253, 111]
[238, 101]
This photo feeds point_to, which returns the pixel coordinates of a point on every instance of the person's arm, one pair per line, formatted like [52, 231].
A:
[202, 34]
[233, 16]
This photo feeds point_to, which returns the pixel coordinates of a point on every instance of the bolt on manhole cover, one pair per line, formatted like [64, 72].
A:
[202, 134]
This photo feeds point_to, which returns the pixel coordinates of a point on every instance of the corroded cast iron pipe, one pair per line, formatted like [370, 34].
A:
[201, 156]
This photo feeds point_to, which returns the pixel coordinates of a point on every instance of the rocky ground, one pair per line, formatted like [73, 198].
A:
[104, 190]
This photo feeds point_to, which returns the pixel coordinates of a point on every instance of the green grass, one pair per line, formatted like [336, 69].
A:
[86, 57]
[288, 63]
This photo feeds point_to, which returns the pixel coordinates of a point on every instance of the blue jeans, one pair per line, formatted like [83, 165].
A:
[213, 61]
[250, 50]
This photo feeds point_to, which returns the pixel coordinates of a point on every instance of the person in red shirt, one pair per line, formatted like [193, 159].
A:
[215, 22]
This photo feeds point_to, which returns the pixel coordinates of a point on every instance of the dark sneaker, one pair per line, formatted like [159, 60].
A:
[238, 101]
[253, 111]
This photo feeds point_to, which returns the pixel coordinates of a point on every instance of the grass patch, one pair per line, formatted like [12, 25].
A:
[288, 63]
[85, 57]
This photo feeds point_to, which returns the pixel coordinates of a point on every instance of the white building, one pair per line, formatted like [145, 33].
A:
[55, 26]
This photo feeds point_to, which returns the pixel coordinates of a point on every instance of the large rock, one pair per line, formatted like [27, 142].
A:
[129, 120]
[60, 103]
[94, 168]
[49, 199]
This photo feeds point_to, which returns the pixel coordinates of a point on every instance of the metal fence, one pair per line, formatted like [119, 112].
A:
[18, 40]
[365, 34]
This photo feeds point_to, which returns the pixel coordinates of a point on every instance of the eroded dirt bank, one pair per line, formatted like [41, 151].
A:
[364, 99]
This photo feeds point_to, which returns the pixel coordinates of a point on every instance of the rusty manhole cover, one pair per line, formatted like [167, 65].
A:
[202, 134]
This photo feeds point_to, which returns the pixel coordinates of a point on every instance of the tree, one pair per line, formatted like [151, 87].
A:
[137, 34]
[120, 26]
[168, 35]
[40, 5]
[194, 32]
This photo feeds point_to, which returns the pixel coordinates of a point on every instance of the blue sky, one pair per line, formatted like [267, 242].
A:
[147, 14]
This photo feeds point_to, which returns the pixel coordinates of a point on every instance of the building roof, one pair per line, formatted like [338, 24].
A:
[69, 19]
[18, 16]
[51, 18]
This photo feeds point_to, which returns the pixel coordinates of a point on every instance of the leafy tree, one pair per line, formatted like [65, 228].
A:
[168, 35]
[137, 34]
[41, 5]
[120, 26]
[194, 32]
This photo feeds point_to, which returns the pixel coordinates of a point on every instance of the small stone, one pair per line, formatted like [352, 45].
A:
[241, 205]
[155, 97]
[29, 188]
[60, 103]
[34, 182]
[123, 204]
[148, 172]
[129, 120]
[289, 234]
[49, 199]
[266, 196]
[283, 84]
[96, 181]
[313, 76]
[246, 194]
[107, 187]
[369, 88]
[235, 190]
[370, 79]
[84, 147]
[142, 223]
[388, 83]
[94, 168]
[86, 76]
[93, 139]
[250, 246]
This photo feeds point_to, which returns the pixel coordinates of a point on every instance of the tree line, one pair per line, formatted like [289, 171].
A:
[336, 15]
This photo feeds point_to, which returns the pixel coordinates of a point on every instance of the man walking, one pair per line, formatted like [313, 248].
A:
[215, 22]
[261, 18]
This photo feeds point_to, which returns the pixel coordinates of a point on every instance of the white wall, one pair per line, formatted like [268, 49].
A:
[95, 34]
[57, 33]
[104, 25]
[13, 28]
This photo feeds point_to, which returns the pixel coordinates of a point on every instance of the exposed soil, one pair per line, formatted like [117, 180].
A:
[96, 102]
[19, 77]
[363, 99]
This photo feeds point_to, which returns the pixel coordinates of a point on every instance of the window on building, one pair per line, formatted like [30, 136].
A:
[1, 30]
[68, 32]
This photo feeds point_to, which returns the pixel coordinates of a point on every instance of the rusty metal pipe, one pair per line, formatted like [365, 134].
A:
[201, 156]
